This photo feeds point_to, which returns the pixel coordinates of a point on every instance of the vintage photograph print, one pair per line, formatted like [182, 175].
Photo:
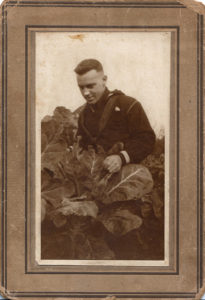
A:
[102, 126]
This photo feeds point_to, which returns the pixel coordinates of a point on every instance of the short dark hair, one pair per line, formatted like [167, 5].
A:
[88, 64]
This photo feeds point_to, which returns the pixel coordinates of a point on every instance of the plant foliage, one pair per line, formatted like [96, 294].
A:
[85, 209]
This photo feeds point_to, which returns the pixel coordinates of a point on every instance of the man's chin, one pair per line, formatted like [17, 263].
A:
[93, 101]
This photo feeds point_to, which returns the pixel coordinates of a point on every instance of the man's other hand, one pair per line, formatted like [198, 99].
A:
[113, 163]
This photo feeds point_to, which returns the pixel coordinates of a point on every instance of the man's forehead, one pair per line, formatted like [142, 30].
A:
[90, 76]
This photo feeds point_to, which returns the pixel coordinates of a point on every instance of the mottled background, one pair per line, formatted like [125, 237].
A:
[138, 63]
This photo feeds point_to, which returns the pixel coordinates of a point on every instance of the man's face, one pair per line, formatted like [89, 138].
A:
[92, 85]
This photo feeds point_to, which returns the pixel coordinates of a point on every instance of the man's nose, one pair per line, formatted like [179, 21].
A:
[86, 92]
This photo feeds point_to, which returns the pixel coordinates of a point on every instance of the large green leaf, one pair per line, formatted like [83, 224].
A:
[120, 221]
[56, 195]
[79, 208]
[132, 182]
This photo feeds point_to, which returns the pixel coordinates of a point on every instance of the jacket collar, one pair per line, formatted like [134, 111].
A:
[101, 102]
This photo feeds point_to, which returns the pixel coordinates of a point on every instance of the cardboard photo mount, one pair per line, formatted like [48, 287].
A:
[21, 276]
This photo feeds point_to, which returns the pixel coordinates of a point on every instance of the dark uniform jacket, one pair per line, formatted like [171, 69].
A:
[127, 123]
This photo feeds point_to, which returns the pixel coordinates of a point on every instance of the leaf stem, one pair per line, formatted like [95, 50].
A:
[123, 181]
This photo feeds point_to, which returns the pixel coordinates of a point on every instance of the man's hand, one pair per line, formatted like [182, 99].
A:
[113, 163]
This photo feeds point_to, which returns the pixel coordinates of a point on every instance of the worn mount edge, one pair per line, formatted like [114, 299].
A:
[191, 4]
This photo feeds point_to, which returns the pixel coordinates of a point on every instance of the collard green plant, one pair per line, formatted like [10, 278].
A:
[78, 193]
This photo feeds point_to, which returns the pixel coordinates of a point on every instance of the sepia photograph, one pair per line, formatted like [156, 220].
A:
[102, 119]
[102, 149]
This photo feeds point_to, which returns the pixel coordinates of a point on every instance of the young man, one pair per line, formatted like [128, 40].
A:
[111, 117]
[106, 119]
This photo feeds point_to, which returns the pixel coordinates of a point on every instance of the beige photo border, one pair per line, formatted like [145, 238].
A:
[134, 263]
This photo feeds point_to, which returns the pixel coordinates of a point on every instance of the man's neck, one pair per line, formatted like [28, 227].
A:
[101, 100]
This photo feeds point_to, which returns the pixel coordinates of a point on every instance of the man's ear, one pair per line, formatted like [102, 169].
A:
[105, 78]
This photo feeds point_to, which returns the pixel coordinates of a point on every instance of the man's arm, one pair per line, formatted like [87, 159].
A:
[141, 139]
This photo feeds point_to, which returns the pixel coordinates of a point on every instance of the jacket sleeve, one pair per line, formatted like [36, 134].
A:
[141, 139]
